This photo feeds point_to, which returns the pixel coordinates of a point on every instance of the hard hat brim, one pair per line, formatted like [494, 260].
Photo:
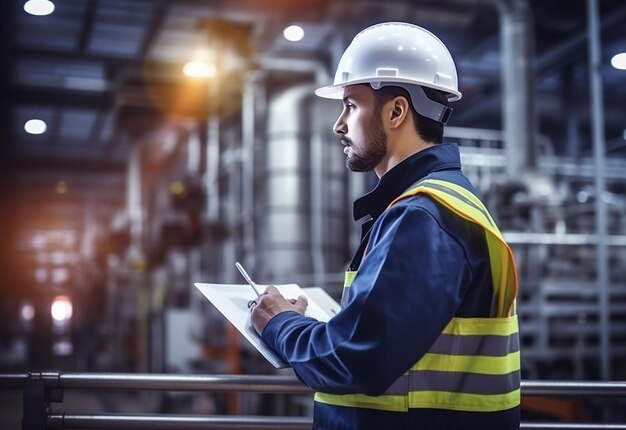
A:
[335, 92]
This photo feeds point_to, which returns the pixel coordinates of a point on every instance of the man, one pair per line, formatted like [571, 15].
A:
[427, 337]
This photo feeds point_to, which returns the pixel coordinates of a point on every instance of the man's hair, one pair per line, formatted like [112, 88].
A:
[428, 129]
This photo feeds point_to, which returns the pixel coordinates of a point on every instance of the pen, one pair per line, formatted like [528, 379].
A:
[247, 277]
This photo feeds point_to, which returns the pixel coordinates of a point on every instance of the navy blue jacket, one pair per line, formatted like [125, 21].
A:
[423, 266]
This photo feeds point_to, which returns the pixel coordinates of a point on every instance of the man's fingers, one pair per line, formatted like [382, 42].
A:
[271, 290]
[301, 304]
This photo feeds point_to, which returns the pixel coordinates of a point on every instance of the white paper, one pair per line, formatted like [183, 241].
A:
[232, 301]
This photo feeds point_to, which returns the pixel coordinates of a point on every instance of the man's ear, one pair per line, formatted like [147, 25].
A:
[399, 110]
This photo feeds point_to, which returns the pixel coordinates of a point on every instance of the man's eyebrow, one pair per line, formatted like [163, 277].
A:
[348, 99]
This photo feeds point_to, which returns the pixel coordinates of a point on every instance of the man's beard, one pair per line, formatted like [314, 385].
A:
[373, 149]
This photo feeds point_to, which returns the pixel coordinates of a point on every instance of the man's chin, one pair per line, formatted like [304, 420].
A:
[355, 167]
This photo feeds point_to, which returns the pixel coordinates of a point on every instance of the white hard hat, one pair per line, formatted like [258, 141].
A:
[398, 54]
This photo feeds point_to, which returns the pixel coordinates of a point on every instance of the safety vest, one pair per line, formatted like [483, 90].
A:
[474, 365]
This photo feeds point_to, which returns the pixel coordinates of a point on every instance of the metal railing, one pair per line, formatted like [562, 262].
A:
[42, 388]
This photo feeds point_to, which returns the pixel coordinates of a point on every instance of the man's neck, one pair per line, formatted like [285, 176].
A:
[399, 152]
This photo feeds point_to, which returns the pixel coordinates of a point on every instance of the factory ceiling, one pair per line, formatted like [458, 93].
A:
[91, 61]
[105, 74]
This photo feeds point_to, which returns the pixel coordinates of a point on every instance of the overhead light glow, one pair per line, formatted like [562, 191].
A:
[61, 309]
[199, 69]
[619, 61]
[35, 126]
[293, 33]
[39, 7]
[61, 187]
[27, 312]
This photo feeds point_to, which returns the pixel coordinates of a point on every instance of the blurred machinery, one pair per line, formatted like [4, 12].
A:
[202, 173]
[547, 215]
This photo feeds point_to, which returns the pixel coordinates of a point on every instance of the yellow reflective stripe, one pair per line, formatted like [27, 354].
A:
[426, 399]
[383, 403]
[509, 297]
[503, 276]
[505, 287]
[469, 363]
[465, 193]
[457, 206]
[348, 278]
[497, 264]
[482, 326]
[464, 401]
[468, 206]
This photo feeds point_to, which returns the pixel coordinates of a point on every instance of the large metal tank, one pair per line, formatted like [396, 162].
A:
[304, 220]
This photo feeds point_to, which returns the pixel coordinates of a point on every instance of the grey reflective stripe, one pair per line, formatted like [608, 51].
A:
[491, 345]
[457, 382]
[400, 386]
[457, 196]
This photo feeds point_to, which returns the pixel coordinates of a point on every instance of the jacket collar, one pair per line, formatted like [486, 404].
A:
[444, 156]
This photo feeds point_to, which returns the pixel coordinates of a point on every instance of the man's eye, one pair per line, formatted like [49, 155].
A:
[350, 106]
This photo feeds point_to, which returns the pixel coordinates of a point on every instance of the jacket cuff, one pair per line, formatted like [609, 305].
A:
[271, 332]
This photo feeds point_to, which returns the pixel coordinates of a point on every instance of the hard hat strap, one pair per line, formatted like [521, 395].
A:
[421, 103]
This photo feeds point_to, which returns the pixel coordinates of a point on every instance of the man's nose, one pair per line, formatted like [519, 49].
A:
[340, 126]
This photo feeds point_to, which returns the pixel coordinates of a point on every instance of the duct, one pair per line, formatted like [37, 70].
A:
[212, 169]
[602, 269]
[302, 228]
[572, 118]
[520, 123]
[133, 203]
[193, 152]
[248, 119]
[330, 193]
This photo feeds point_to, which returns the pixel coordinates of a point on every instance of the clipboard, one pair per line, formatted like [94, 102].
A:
[232, 302]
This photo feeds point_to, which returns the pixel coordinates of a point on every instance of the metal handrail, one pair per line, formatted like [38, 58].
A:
[140, 422]
[60, 421]
[261, 383]
[55, 382]
[161, 382]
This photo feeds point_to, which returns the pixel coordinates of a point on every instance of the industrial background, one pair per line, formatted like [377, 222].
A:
[175, 138]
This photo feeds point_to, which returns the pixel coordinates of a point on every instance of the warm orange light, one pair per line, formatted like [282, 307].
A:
[61, 187]
[199, 69]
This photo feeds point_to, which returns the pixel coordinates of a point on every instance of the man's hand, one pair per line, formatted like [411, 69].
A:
[270, 304]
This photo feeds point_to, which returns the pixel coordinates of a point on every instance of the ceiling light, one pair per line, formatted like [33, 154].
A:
[199, 69]
[293, 33]
[619, 61]
[61, 309]
[39, 7]
[35, 126]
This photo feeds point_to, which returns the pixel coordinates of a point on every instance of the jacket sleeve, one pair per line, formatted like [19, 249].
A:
[407, 289]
